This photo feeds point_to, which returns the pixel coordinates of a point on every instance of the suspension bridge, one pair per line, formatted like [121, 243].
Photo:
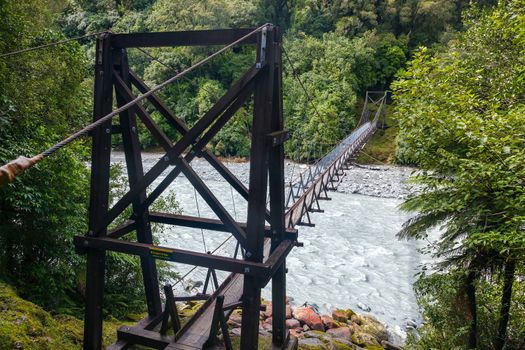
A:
[262, 242]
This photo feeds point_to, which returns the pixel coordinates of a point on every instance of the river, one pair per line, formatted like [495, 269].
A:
[350, 259]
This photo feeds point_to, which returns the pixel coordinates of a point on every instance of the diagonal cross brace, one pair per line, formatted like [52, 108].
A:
[182, 128]
[175, 152]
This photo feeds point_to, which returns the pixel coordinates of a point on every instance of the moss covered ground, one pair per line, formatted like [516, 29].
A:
[24, 325]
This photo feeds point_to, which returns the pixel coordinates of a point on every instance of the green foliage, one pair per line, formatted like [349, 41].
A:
[420, 21]
[461, 120]
[42, 98]
[441, 296]
[336, 69]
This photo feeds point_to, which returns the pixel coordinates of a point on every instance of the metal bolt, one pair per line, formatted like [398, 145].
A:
[166, 158]
[108, 131]
[248, 254]
[246, 270]
[258, 65]
[134, 129]
[90, 232]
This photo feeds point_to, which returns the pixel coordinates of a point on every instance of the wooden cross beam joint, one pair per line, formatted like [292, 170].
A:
[264, 271]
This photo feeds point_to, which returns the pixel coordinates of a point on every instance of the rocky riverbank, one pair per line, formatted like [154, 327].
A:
[351, 259]
[386, 181]
[342, 330]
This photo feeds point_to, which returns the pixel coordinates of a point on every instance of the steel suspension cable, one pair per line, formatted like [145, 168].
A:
[199, 213]
[61, 42]
[13, 169]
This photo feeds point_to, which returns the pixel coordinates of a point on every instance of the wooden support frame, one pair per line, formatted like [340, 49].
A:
[264, 247]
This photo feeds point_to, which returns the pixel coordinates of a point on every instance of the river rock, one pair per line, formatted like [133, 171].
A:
[328, 322]
[389, 346]
[308, 316]
[268, 312]
[364, 307]
[341, 332]
[292, 323]
[372, 326]
[267, 324]
[288, 311]
[342, 315]
[311, 344]
[355, 319]
[364, 339]
[297, 332]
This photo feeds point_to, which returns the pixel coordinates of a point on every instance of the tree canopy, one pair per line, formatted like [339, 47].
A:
[461, 121]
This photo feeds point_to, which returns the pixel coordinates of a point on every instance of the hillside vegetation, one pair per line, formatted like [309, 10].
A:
[456, 69]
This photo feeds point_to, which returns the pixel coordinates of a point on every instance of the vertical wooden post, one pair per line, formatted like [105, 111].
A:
[262, 114]
[131, 143]
[277, 198]
[99, 193]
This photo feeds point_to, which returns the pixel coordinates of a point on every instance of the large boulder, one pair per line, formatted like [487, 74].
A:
[372, 326]
[342, 315]
[365, 339]
[308, 316]
[293, 323]
[329, 322]
[341, 332]
[311, 344]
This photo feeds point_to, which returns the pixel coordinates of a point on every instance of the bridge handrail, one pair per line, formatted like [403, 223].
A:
[321, 163]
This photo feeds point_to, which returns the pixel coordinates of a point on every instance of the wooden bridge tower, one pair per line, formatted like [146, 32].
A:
[264, 236]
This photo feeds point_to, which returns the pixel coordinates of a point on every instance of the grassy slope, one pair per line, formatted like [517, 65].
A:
[24, 325]
[381, 147]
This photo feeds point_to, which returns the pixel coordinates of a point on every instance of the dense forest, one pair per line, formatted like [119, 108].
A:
[456, 69]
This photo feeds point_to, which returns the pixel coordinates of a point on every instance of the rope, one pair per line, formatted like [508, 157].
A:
[6, 179]
[50, 44]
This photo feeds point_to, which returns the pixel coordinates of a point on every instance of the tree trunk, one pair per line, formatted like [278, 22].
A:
[471, 297]
[508, 281]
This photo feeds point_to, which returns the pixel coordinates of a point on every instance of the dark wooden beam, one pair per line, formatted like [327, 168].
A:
[122, 230]
[181, 127]
[125, 93]
[133, 156]
[171, 254]
[183, 38]
[99, 194]
[140, 336]
[208, 224]
[258, 181]
[176, 151]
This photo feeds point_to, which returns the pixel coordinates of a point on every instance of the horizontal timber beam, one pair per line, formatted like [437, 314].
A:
[264, 270]
[170, 254]
[183, 38]
[207, 224]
